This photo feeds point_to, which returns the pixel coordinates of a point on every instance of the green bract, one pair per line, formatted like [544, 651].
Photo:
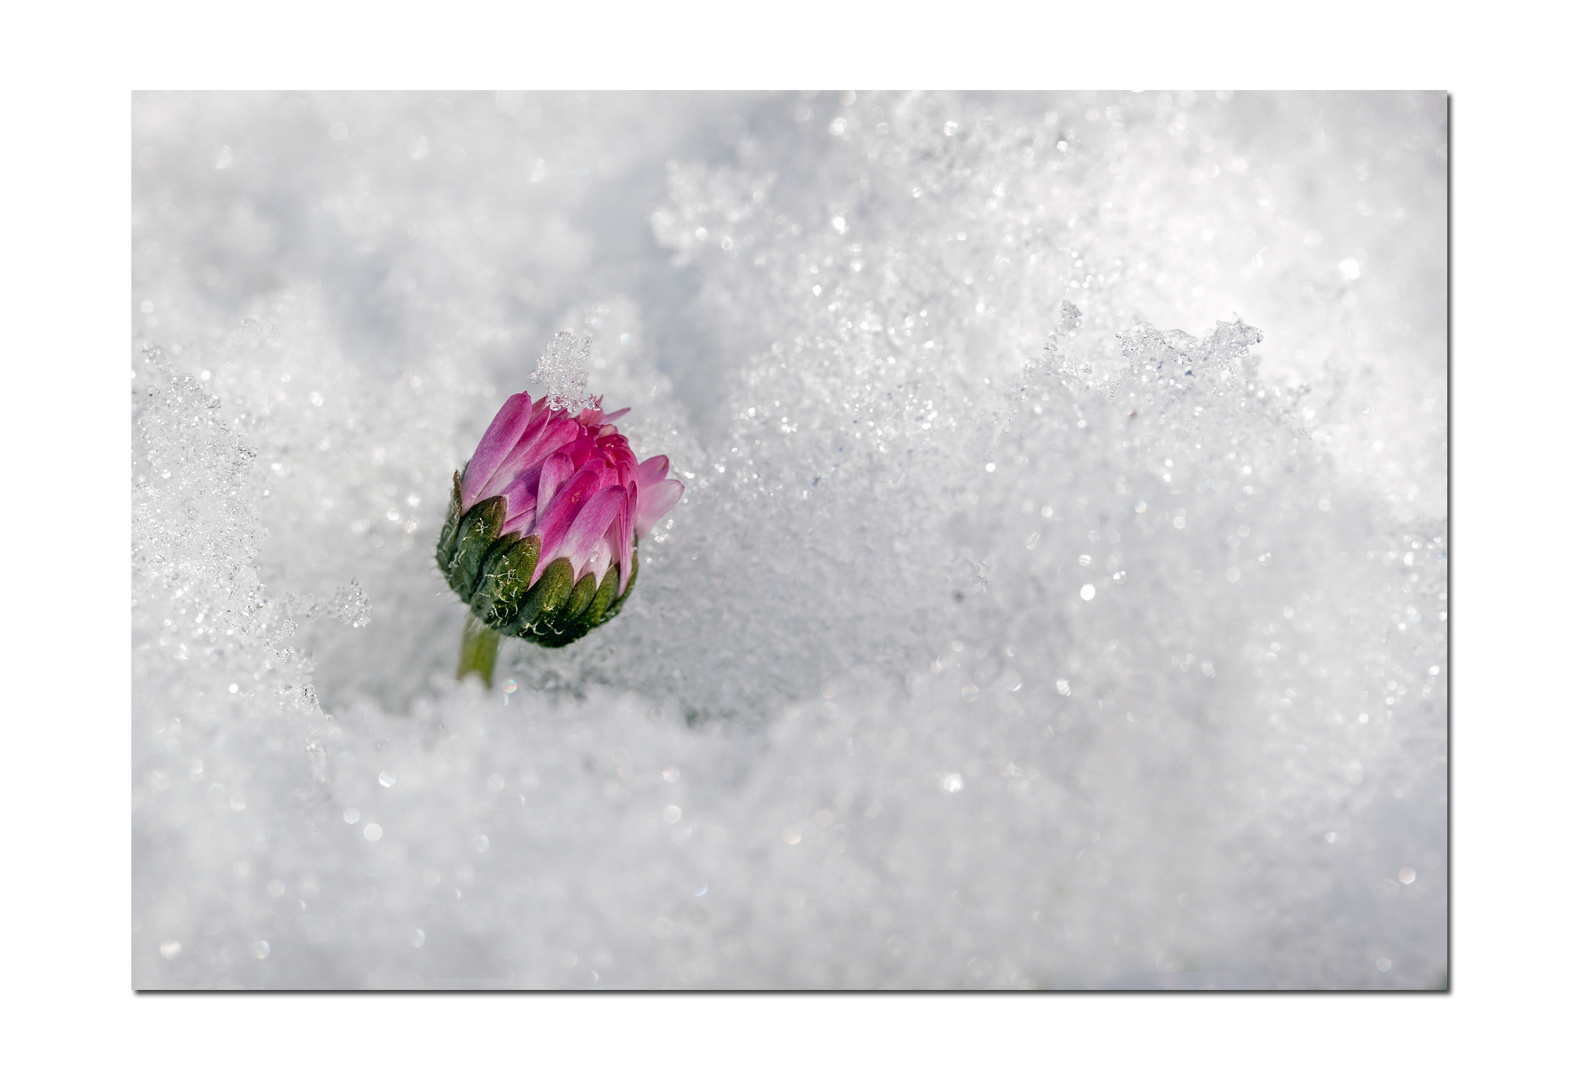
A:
[493, 575]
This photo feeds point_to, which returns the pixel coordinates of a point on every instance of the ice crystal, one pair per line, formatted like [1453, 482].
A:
[563, 370]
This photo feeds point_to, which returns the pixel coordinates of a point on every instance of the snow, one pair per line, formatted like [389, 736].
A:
[1058, 598]
[563, 370]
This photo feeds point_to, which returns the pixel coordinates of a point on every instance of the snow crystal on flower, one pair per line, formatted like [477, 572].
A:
[563, 370]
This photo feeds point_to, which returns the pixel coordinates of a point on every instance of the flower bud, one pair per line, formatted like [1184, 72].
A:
[540, 538]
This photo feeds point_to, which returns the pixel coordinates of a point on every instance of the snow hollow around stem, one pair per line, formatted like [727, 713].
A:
[1058, 598]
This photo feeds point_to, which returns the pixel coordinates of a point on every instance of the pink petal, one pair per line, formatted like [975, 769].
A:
[609, 418]
[497, 442]
[520, 513]
[623, 536]
[602, 555]
[520, 497]
[524, 453]
[588, 530]
[540, 440]
[652, 470]
[618, 454]
[554, 519]
[656, 501]
[580, 450]
[556, 470]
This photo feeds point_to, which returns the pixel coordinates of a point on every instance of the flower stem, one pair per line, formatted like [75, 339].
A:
[479, 649]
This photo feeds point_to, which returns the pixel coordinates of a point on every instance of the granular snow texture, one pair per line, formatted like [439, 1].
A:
[1058, 599]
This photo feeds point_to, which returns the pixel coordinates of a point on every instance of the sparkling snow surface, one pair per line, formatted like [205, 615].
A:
[1029, 621]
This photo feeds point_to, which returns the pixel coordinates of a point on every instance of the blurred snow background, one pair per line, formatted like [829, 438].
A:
[994, 645]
